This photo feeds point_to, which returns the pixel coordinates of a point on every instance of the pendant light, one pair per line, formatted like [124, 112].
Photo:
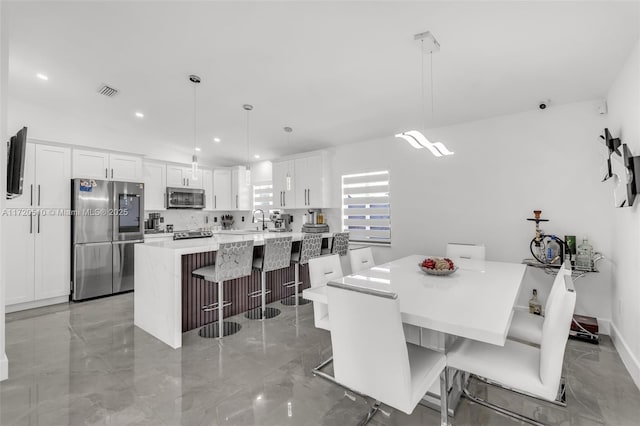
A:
[288, 130]
[415, 138]
[194, 159]
[248, 108]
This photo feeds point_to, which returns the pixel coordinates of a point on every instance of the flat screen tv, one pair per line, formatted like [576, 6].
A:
[15, 163]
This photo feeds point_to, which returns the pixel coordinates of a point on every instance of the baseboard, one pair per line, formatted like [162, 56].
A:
[628, 358]
[36, 304]
[4, 367]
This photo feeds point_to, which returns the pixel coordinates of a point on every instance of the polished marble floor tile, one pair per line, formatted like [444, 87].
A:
[86, 364]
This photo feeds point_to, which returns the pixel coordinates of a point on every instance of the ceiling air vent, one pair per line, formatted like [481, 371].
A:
[107, 91]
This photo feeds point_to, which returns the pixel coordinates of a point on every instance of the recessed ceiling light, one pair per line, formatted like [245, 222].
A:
[216, 140]
[256, 156]
[139, 115]
[42, 76]
[197, 149]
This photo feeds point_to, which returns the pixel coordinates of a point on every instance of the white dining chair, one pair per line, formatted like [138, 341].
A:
[361, 259]
[526, 369]
[526, 327]
[466, 251]
[371, 356]
[321, 270]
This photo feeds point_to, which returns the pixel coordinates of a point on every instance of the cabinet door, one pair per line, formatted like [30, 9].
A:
[314, 181]
[284, 185]
[90, 164]
[240, 199]
[53, 177]
[207, 185]
[155, 185]
[190, 182]
[52, 256]
[300, 169]
[18, 235]
[125, 168]
[27, 198]
[175, 178]
[222, 189]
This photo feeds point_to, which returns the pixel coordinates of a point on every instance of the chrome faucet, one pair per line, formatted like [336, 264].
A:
[264, 225]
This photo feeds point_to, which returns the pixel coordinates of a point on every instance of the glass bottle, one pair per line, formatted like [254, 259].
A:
[534, 306]
[584, 255]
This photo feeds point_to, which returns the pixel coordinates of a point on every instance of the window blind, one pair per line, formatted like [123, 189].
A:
[366, 207]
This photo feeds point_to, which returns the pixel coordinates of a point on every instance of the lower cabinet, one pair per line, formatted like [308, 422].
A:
[37, 256]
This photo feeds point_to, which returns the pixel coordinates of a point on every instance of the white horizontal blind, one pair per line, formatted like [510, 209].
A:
[263, 196]
[366, 207]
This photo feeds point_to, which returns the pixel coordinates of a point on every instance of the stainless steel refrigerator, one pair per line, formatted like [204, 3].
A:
[107, 221]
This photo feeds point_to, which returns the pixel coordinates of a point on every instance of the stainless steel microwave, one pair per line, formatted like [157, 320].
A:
[185, 198]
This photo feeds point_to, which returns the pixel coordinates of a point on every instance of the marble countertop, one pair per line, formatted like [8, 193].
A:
[199, 245]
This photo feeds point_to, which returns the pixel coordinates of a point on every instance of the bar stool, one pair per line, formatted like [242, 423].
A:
[276, 255]
[233, 260]
[310, 247]
[340, 244]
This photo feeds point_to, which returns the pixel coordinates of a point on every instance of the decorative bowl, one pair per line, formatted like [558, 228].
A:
[439, 272]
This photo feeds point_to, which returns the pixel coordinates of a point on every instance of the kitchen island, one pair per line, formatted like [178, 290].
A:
[168, 300]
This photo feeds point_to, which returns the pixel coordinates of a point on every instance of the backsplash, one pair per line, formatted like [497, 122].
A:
[199, 219]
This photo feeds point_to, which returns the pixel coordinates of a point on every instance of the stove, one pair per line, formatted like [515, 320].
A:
[187, 235]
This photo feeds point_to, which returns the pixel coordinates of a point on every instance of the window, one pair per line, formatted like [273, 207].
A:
[263, 196]
[366, 207]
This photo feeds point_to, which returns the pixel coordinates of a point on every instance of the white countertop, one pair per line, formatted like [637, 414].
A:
[199, 245]
[474, 302]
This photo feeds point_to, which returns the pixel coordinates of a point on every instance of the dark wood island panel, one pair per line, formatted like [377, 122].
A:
[197, 292]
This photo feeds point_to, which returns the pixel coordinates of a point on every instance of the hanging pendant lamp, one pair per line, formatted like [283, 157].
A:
[415, 138]
[248, 108]
[288, 130]
[194, 158]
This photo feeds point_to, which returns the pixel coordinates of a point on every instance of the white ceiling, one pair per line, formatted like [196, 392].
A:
[337, 72]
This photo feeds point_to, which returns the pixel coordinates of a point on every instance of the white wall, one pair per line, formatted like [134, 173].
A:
[503, 169]
[4, 71]
[624, 122]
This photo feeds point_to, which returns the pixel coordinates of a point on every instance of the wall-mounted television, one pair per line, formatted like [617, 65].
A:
[15, 163]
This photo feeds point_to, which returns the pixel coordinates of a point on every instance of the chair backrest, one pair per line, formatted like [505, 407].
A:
[555, 333]
[233, 260]
[323, 269]
[361, 259]
[558, 284]
[310, 247]
[370, 353]
[277, 253]
[466, 251]
[340, 243]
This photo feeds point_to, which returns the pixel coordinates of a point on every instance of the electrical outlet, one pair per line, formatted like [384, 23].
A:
[243, 218]
[215, 219]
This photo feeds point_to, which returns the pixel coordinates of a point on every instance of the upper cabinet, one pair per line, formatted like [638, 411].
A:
[47, 178]
[284, 194]
[182, 177]
[240, 199]
[155, 185]
[221, 189]
[301, 183]
[103, 165]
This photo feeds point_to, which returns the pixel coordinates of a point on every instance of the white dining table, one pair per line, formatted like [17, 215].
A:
[474, 302]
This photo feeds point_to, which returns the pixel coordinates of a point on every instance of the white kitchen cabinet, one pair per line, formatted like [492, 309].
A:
[155, 185]
[181, 177]
[222, 189]
[284, 194]
[125, 168]
[47, 174]
[51, 256]
[17, 232]
[103, 165]
[240, 199]
[38, 263]
[207, 185]
[309, 180]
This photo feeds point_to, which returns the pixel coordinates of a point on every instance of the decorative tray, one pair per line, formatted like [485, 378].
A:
[440, 272]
